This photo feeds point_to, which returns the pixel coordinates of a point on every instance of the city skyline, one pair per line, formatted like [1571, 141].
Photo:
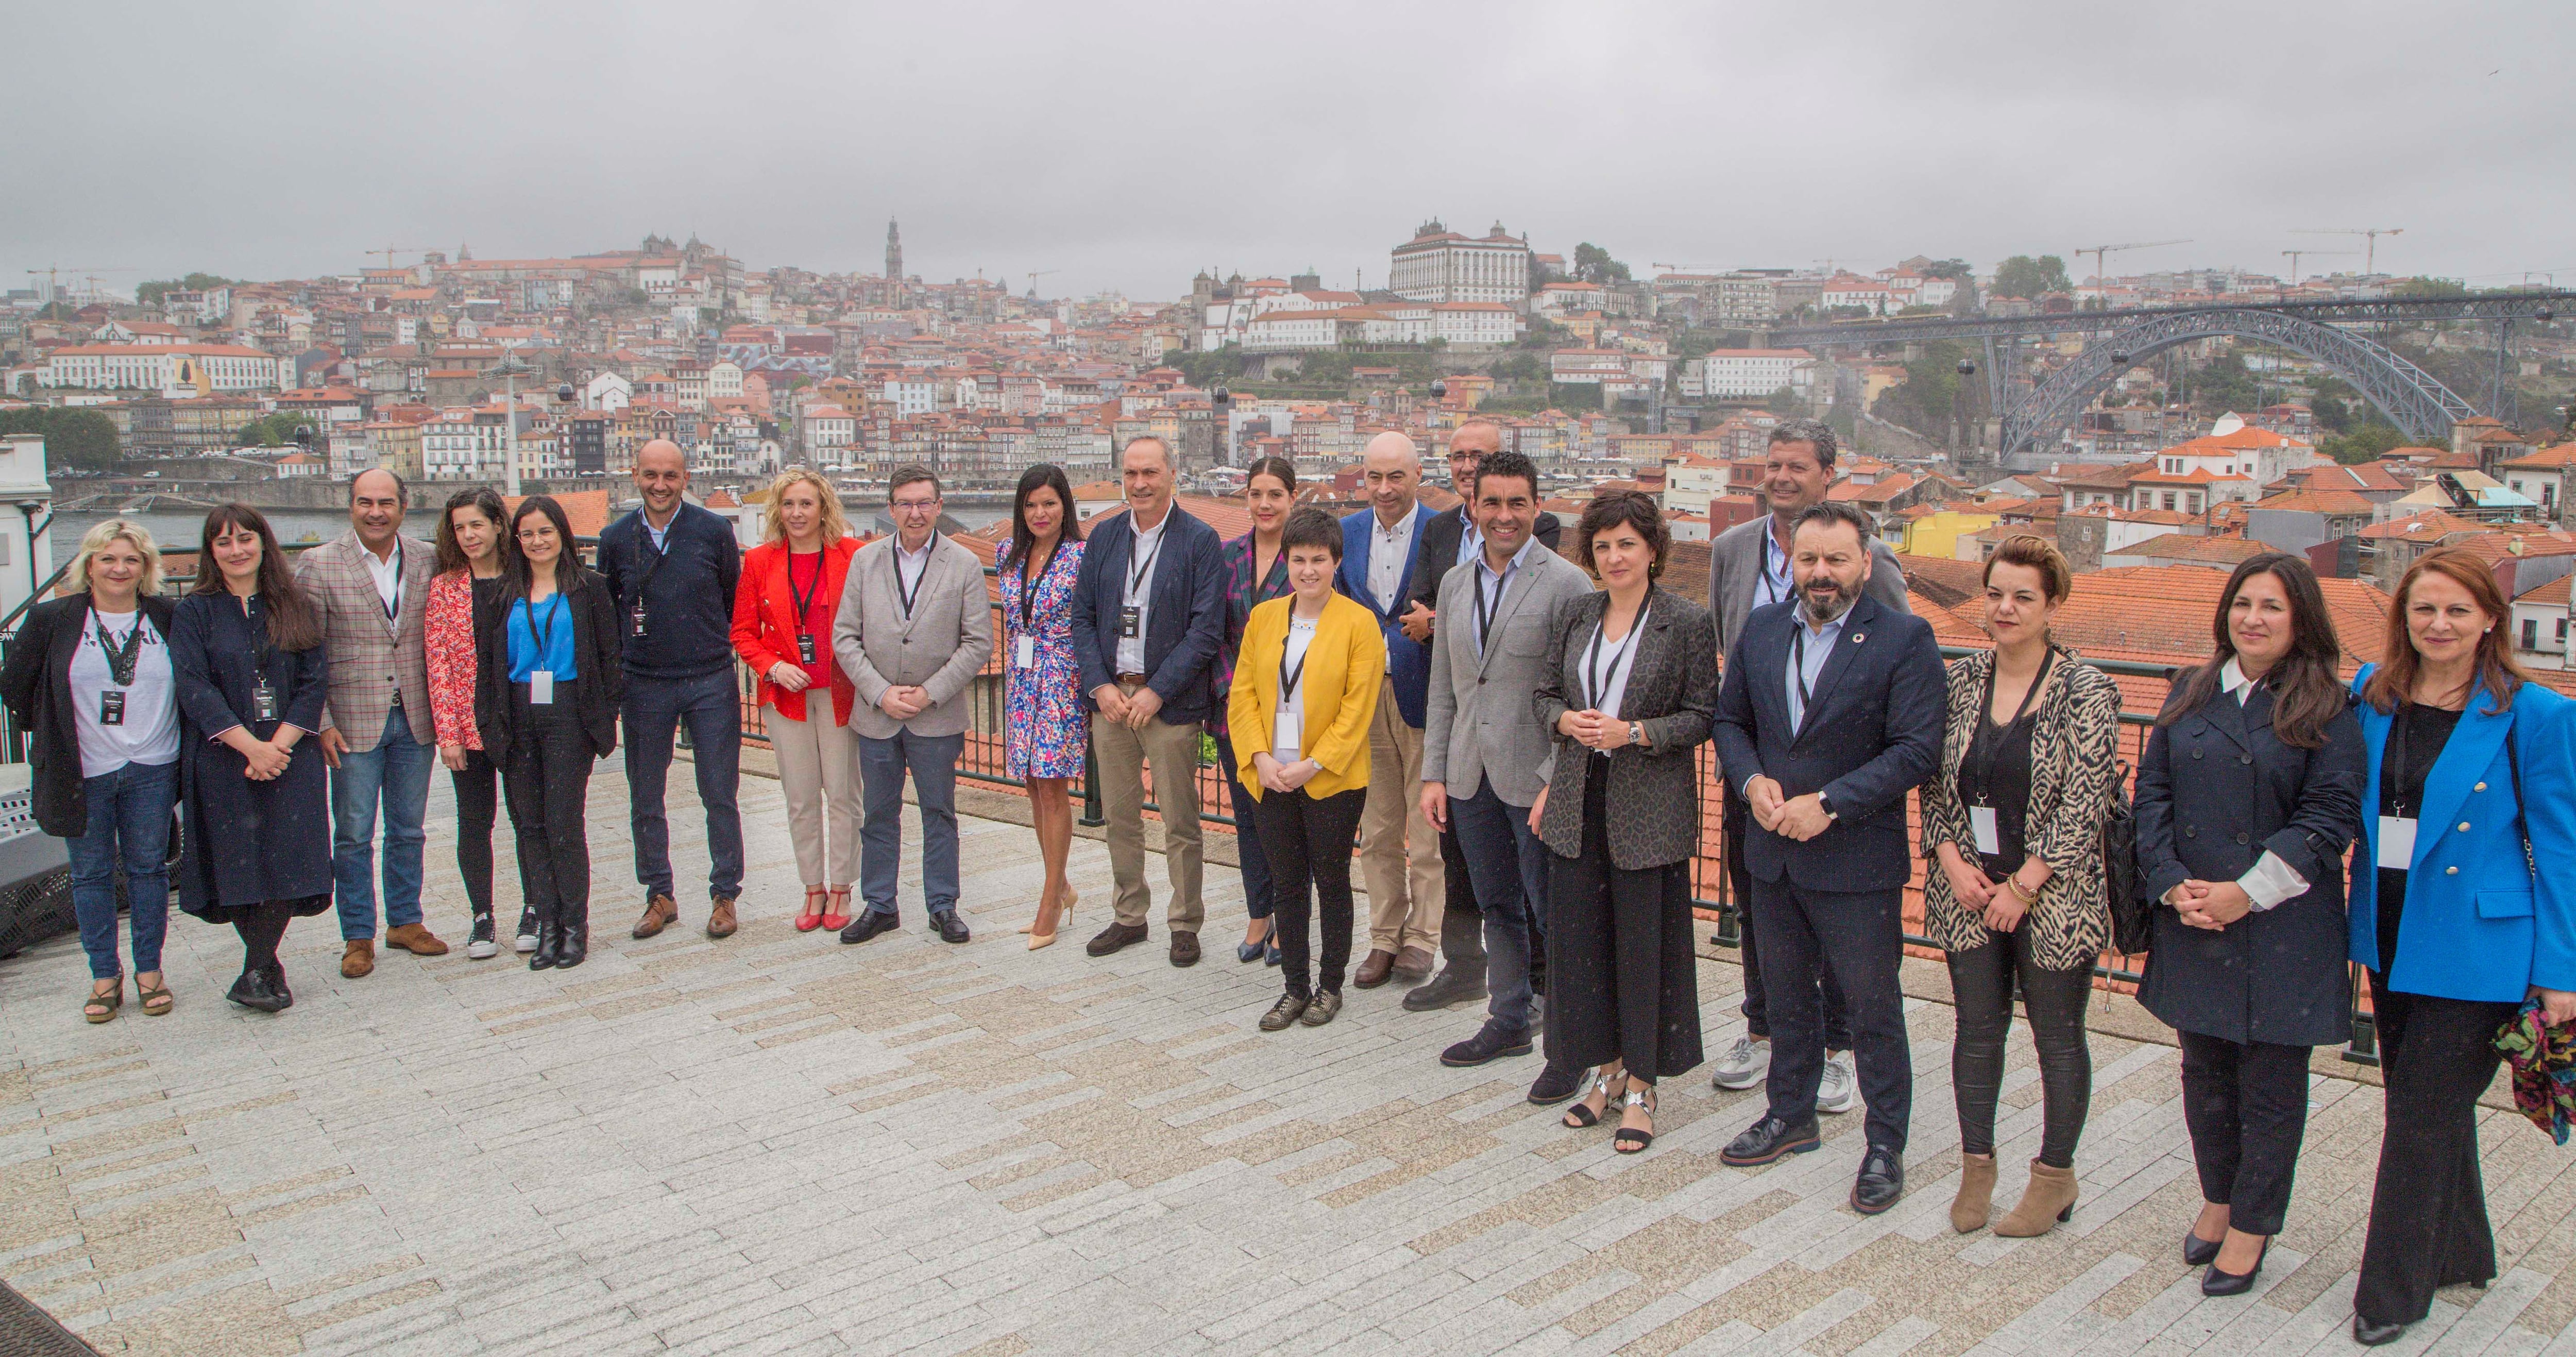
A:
[1742, 139]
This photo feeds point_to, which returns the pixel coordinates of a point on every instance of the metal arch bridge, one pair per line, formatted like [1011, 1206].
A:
[2410, 397]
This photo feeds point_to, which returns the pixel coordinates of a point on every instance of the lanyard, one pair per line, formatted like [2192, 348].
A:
[644, 547]
[1485, 618]
[122, 655]
[545, 639]
[1798, 667]
[1994, 747]
[804, 602]
[394, 608]
[1136, 574]
[1769, 588]
[1029, 592]
[1596, 680]
[1288, 678]
[907, 599]
[2398, 731]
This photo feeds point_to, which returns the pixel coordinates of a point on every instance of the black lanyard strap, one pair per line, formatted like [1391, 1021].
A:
[1596, 680]
[804, 602]
[1798, 667]
[1288, 678]
[124, 655]
[545, 639]
[1485, 617]
[909, 598]
[1993, 749]
[1138, 571]
[1029, 590]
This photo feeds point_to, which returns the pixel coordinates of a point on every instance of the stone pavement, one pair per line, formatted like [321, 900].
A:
[777, 1144]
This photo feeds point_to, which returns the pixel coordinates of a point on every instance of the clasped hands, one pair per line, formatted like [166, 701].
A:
[1283, 779]
[1792, 817]
[904, 701]
[1131, 712]
[2209, 904]
[1593, 729]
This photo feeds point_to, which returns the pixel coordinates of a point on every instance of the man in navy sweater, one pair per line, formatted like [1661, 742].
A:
[672, 567]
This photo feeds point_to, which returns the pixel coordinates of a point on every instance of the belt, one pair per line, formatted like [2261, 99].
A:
[1137, 679]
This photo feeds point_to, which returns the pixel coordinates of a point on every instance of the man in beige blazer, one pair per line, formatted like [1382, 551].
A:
[915, 627]
[369, 586]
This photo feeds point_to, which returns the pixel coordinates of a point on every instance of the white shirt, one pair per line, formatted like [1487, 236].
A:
[1146, 552]
[388, 575]
[150, 732]
[1493, 588]
[2271, 880]
[1390, 549]
[908, 566]
[1471, 541]
[1807, 663]
[1606, 662]
[1301, 636]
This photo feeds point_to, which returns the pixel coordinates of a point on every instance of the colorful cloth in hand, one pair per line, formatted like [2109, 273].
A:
[2543, 1061]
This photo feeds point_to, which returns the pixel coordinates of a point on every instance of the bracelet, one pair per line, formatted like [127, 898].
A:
[2026, 896]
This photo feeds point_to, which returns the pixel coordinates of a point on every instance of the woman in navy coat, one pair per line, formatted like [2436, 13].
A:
[2249, 792]
[2470, 783]
[246, 654]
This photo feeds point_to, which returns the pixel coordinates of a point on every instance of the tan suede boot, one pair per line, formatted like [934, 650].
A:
[1976, 1199]
[2048, 1199]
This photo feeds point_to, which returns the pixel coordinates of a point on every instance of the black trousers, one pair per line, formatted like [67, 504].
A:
[1629, 979]
[549, 780]
[1308, 840]
[2428, 1212]
[1738, 819]
[1857, 938]
[478, 807]
[2247, 1106]
[1981, 981]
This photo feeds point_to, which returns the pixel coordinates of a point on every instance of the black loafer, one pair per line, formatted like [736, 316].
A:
[1556, 1084]
[2199, 1252]
[1115, 936]
[950, 927]
[2370, 1333]
[1454, 985]
[2219, 1282]
[1881, 1182]
[1489, 1043]
[252, 990]
[868, 925]
[1770, 1140]
[277, 985]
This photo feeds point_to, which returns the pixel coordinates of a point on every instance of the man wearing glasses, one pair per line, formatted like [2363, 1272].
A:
[914, 629]
[672, 567]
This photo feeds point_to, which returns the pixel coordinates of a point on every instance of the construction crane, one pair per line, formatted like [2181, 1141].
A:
[1035, 275]
[390, 251]
[55, 273]
[2294, 260]
[1677, 268]
[2101, 254]
[2371, 234]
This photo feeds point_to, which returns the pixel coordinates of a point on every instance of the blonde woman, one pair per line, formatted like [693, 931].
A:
[89, 681]
[782, 627]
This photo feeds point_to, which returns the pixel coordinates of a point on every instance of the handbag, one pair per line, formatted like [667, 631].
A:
[2130, 909]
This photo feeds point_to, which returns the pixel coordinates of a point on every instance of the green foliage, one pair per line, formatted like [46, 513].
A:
[151, 293]
[1592, 264]
[2420, 289]
[1949, 268]
[83, 440]
[272, 430]
[2363, 444]
[2224, 384]
[2332, 414]
[1784, 402]
[1574, 396]
[2023, 276]
[1519, 367]
[1922, 402]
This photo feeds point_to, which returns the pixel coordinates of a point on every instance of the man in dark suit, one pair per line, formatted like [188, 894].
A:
[1148, 611]
[1449, 537]
[1832, 711]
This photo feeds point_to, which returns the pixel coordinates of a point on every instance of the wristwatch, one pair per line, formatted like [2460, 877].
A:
[1636, 732]
[1826, 804]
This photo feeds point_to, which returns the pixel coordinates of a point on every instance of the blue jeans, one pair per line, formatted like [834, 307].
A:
[129, 818]
[1495, 835]
[394, 774]
[653, 710]
[1247, 835]
[932, 761]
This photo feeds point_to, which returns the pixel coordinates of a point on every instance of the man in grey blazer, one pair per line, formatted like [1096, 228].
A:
[915, 627]
[1484, 756]
[1748, 568]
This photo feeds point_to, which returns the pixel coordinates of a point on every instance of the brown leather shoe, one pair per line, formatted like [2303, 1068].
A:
[659, 913]
[720, 920]
[417, 940]
[358, 959]
[1412, 964]
[1374, 970]
[1185, 949]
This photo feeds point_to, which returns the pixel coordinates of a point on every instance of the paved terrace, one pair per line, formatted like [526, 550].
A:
[781, 1145]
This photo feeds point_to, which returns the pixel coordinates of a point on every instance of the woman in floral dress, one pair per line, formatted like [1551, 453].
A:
[1042, 683]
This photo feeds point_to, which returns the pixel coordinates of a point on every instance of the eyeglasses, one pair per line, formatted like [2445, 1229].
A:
[914, 506]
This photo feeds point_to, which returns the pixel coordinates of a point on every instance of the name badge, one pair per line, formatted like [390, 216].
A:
[1288, 733]
[111, 707]
[2396, 841]
[541, 687]
[804, 647]
[639, 620]
[1024, 652]
[1981, 822]
[1130, 622]
[263, 702]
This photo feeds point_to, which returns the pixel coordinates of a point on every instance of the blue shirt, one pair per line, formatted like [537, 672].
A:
[1774, 585]
[1809, 661]
[1492, 589]
[553, 620]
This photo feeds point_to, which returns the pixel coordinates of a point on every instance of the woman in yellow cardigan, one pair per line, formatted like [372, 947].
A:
[1305, 685]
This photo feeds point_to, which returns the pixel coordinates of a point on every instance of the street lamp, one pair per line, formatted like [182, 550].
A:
[509, 370]
[31, 508]
[1218, 399]
[1958, 406]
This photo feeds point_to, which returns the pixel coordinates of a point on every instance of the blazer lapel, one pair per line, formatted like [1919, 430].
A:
[1847, 644]
[1515, 590]
[1646, 667]
[2465, 757]
[2236, 720]
[1744, 580]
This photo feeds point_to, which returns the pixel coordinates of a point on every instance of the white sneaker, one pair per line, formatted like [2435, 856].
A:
[1744, 1065]
[1837, 1090]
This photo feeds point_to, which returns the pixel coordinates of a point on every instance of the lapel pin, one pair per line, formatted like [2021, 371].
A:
[1859, 636]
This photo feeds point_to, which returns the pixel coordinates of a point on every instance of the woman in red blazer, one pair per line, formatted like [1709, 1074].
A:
[782, 628]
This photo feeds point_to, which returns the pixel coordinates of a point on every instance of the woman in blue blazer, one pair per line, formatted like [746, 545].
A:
[2472, 779]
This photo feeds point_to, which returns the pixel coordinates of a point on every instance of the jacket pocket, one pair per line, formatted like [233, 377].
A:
[2504, 904]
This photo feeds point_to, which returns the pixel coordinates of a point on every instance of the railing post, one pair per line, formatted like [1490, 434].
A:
[1091, 816]
[2364, 1047]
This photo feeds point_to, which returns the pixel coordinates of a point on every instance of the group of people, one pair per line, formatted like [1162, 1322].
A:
[1509, 730]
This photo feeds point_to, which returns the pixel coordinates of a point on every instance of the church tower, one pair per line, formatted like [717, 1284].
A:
[894, 252]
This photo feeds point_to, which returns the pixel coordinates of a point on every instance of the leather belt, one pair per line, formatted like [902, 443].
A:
[1137, 679]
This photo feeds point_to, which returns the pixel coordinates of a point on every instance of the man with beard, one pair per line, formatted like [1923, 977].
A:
[1832, 711]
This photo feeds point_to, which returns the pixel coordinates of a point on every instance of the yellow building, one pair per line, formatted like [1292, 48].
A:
[1938, 533]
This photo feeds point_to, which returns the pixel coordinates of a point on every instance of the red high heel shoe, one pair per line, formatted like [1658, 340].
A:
[836, 915]
[809, 918]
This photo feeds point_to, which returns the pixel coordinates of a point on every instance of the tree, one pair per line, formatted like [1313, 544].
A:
[150, 294]
[2363, 444]
[1949, 268]
[1592, 264]
[1784, 402]
[83, 440]
[2224, 384]
[2420, 289]
[2023, 276]
[274, 430]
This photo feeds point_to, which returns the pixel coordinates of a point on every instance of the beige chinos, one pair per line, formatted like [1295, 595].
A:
[1408, 884]
[818, 766]
[1173, 750]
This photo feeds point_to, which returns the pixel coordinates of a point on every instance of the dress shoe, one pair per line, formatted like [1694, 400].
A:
[1374, 969]
[549, 946]
[660, 912]
[358, 958]
[1326, 1004]
[949, 927]
[276, 972]
[574, 946]
[1289, 1009]
[415, 939]
[1555, 1084]
[1250, 952]
[1975, 1202]
[1115, 936]
[1490, 1043]
[1412, 965]
[252, 990]
[2219, 1282]
[2370, 1333]
[720, 918]
[1881, 1181]
[1185, 949]
[868, 925]
[2046, 1203]
[1768, 1141]
[1454, 985]
[484, 943]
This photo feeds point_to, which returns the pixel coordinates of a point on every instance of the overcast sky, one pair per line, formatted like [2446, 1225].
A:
[1126, 146]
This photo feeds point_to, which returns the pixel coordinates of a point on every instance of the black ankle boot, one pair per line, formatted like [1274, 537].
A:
[572, 936]
[549, 951]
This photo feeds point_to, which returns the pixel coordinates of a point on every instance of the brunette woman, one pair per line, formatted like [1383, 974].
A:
[246, 654]
[1041, 679]
[471, 547]
[783, 612]
[1256, 571]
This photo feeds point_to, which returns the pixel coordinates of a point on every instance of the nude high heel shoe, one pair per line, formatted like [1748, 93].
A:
[1047, 939]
